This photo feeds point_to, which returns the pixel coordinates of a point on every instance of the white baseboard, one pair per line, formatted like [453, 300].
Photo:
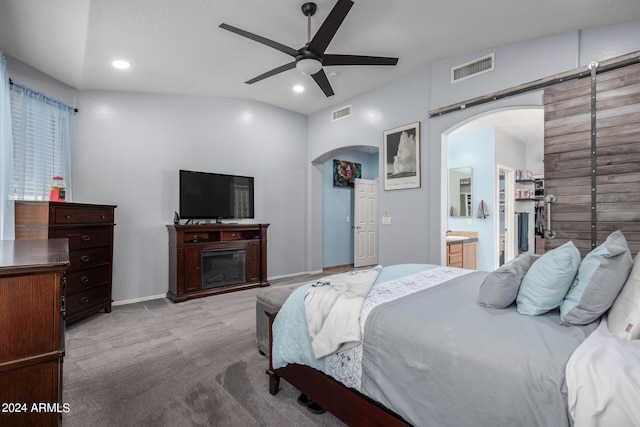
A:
[134, 300]
[284, 276]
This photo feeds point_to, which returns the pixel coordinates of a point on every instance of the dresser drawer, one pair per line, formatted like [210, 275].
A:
[87, 258]
[455, 249]
[87, 299]
[455, 260]
[85, 279]
[230, 235]
[81, 214]
[80, 238]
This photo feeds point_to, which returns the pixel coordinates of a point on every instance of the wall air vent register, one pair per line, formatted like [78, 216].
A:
[473, 68]
[341, 113]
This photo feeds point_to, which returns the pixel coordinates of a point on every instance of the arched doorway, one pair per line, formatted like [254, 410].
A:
[511, 138]
[337, 202]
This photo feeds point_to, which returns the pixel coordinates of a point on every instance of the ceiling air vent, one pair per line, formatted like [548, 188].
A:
[473, 68]
[341, 113]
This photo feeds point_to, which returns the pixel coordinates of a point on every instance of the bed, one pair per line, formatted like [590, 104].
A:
[430, 354]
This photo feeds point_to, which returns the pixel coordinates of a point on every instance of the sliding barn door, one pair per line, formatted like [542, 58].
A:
[567, 158]
[592, 158]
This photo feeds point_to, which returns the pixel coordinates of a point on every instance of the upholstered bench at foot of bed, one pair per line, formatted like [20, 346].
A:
[269, 300]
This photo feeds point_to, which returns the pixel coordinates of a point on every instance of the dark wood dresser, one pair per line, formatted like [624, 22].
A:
[89, 228]
[32, 331]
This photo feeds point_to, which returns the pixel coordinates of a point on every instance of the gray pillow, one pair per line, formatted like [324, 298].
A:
[500, 287]
[601, 275]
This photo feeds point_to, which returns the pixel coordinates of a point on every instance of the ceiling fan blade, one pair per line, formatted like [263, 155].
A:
[273, 72]
[278, 46]
[328, 60]
[321, 78]
[329, 27]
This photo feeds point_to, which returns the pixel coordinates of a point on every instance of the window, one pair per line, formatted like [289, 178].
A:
[42, 130]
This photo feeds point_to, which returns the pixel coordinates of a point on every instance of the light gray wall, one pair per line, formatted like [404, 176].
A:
[398, 103]
[514, 64]
[37, 80]
[130, 146]
[602, 43]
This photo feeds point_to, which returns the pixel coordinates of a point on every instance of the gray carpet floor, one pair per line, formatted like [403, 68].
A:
[195, 363]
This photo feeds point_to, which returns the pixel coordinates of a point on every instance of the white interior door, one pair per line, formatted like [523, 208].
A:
[505, 220]
[365, 222]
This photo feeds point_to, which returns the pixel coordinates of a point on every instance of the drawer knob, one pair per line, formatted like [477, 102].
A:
[85, 237]
[84, 300]
[85, 258]
[67, 215]
[84, 279]
[102, 215]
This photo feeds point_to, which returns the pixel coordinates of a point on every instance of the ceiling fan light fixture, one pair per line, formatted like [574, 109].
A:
[309, 66]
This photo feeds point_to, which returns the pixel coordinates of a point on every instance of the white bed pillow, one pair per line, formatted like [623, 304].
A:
[601, 275]
[624, 315]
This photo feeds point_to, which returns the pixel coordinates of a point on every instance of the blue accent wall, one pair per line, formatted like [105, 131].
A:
[476, 149]
[337, 206]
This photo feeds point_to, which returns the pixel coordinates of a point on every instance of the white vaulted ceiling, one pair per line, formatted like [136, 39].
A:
[176, 46]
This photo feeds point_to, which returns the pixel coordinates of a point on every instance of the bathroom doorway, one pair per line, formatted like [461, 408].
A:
[505, 218]
[512, 139]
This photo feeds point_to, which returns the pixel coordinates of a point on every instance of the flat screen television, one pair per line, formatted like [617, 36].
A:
[205, 195]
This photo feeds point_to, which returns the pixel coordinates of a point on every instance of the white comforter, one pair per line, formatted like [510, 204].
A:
[603, 378]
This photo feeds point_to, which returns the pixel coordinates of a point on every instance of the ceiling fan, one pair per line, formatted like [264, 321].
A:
[310, 58]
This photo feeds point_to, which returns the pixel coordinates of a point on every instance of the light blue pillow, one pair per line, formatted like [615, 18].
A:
[548, 280]
[601, 276]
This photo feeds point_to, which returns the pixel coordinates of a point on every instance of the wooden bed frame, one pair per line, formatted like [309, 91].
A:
[348, 405]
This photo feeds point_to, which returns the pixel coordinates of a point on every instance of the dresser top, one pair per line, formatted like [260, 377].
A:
[19, 255]
[63, 204]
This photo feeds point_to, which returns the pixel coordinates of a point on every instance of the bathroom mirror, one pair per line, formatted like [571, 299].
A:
[460, 191]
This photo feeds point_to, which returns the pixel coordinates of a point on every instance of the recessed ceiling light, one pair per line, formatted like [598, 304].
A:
[121, 64]
[298, 88]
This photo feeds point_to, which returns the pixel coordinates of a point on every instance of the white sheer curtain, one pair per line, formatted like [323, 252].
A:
[6, 156]
[42, 134]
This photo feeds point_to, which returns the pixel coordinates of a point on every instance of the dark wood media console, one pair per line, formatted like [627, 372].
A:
[212, 259]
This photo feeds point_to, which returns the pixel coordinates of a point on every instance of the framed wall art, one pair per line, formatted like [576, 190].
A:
[345, 172]
[402, 157]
